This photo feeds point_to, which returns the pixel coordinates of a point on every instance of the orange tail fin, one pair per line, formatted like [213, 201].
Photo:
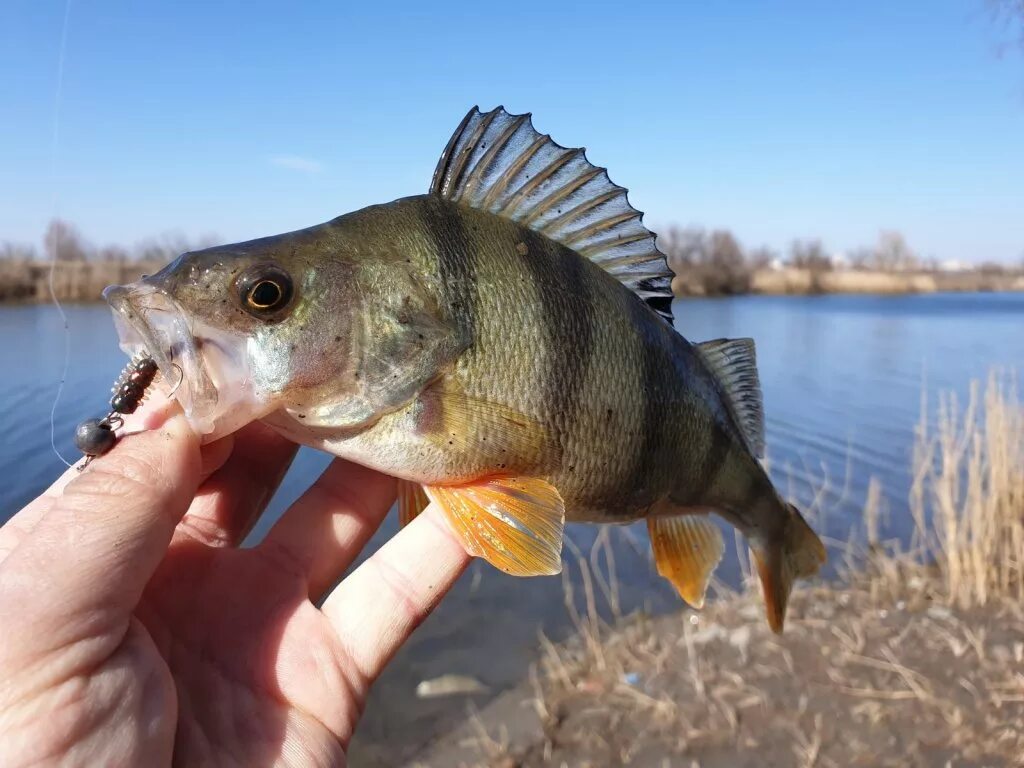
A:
[797, 554]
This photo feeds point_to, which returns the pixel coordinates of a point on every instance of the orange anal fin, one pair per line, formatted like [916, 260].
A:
[514, 523]
[686, 550]
[411, 501]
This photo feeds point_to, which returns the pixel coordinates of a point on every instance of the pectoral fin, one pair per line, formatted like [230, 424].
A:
[498, 435]
[411, 501]
[686, 549]
[514, 523]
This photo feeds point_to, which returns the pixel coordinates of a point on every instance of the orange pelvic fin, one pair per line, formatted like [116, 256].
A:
[687, 549]
[514, 523]
[411, 501]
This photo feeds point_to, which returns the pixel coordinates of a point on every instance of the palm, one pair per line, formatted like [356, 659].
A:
[229, 625]
[221, 658]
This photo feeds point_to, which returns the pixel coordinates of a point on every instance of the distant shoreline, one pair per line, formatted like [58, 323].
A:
[791, 281]
[27, 282]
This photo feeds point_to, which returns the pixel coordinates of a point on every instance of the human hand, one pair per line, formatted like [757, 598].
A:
[136, 632]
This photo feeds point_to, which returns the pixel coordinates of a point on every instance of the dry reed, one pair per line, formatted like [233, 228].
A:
[912, 658]
[968, 495]
[917, 681]
[77, 281]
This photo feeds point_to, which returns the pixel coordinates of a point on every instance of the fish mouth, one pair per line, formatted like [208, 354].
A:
[150, 322]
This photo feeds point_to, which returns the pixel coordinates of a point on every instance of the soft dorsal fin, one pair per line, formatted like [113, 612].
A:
[499, 163]
[734, 363]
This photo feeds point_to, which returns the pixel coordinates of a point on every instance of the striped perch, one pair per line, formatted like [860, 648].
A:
[502, 344]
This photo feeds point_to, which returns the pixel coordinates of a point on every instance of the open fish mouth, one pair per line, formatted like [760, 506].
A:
[150, 322]
[206, 367]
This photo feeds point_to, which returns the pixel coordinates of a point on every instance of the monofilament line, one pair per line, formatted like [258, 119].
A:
[54, 148]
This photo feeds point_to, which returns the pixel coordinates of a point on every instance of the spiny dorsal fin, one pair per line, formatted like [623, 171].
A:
[499, 163]
[734, 363]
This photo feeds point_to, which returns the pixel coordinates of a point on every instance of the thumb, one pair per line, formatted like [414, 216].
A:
[91, 555]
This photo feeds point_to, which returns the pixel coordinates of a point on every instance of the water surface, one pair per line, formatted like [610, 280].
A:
[842, 379]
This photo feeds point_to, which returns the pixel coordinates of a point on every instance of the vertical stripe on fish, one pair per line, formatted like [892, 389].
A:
[568, 318]
[456, 261]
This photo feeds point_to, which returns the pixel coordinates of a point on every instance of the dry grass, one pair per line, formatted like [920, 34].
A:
[914, 658]
[968, 496]
[851, 683]
[28, 281]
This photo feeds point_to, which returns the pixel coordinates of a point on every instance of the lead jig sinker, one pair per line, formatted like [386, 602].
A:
[94, 437]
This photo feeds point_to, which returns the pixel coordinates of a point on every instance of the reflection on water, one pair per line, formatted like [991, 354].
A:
[842, 379]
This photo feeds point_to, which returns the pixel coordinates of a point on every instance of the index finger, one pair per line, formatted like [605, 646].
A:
[375, 609]
[20, 526]
[96, 547]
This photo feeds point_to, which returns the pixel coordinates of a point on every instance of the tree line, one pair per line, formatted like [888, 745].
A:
[63, 242]
[711, 262]
[77, 270]
[716, 261]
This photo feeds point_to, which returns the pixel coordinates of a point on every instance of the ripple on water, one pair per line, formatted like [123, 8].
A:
[842, 380]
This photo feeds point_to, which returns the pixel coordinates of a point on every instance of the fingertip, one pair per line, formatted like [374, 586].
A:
[453, 547]
[106, 532]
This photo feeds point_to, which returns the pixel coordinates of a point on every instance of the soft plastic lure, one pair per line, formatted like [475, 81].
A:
[94, 437]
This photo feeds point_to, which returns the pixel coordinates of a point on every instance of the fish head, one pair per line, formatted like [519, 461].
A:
[240, 331]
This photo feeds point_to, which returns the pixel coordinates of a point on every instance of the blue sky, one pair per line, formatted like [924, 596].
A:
[777, 120]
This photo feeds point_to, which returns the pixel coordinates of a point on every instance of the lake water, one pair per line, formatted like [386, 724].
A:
[842, 379]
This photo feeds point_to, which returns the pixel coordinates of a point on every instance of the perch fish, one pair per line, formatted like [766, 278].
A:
[504, 346]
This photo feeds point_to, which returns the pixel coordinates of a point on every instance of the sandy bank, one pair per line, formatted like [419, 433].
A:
[914, 657]
[877, 672]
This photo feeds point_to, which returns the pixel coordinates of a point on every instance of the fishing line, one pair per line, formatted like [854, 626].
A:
[54, 146]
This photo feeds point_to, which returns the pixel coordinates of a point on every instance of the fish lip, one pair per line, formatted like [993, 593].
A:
[149, 321]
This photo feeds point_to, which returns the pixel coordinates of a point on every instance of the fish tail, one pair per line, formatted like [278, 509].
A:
[795, 553]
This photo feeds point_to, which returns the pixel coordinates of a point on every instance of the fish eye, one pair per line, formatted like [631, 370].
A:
[265, 294]
[264, 290]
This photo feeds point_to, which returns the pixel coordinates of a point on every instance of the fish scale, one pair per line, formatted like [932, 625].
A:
[503, 345]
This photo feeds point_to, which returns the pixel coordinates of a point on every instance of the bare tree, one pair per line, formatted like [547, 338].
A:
[724, 267]
[64, 243]
[810, 254]
[169, 245]
[683, 247]
[761, 257]
[861, 258]
[113, 253]
[17, 252]
[724, 250]
[992, 268]
[1009, 14]
[892, 254]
